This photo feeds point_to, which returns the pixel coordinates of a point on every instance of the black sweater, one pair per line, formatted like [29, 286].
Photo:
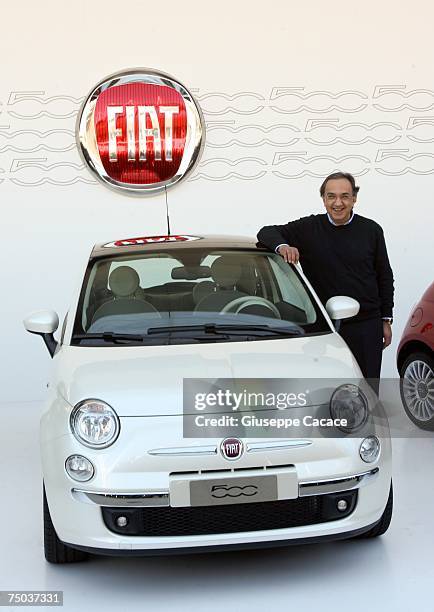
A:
[340, 259]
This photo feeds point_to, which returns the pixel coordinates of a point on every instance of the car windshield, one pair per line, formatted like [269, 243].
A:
[193, 295]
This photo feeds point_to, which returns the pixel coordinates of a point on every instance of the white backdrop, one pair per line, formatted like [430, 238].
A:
[290, 93]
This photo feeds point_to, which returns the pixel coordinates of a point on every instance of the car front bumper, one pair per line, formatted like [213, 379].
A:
[129, 478]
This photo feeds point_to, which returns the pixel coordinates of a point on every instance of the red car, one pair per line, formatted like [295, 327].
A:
[415, 360]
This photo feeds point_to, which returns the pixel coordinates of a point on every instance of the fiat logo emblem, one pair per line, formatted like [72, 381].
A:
[149, 240]
[232, 448]
[140, 131]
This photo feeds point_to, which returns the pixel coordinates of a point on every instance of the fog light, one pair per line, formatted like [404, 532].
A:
[122, 521]
[79, 468]
[342, 505]
[370, 449]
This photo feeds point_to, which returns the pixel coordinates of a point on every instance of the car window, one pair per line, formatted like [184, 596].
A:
[292, 292]
[194, 288]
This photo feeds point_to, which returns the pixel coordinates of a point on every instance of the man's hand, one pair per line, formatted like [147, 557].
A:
[387, 334]
[290, 254]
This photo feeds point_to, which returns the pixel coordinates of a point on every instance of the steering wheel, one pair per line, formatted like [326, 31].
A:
[249, 300]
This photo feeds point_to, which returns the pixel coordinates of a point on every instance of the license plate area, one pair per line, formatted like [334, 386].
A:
[222, 487]
[234, 490]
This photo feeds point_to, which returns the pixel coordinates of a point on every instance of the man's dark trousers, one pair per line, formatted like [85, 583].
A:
[365, 340]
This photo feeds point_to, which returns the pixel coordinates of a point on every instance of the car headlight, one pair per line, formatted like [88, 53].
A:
[94, 423]
[349, 403]
[370, 449]
[79, 468]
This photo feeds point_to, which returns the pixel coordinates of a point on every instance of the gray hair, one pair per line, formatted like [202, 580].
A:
[340, 175]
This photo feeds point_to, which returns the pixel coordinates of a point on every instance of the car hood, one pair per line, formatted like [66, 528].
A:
[148, 380]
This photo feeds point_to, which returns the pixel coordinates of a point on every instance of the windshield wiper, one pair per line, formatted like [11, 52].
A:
[120, 338]
[221, 328]
[281, 331]
[110, 337]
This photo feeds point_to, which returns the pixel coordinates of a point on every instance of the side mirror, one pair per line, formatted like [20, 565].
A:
[44, 323]
[341, 307]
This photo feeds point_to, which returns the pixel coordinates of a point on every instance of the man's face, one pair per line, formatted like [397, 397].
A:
[339, 200]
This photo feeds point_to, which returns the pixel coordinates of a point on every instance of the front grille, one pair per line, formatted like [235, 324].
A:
[203, 520]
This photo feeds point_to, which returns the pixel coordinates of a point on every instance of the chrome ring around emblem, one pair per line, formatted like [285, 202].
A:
[87, 140]
[231, 448]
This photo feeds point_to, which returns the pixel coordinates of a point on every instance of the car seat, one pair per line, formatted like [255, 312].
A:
[203, 289]
[225, 272]
[124, 283]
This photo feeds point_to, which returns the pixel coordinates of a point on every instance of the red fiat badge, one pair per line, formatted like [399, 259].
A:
[231, 448]
[150, 240]
[140, 131]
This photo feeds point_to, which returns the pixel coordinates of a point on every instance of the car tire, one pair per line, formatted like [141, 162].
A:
[417, 369]
[383, 524]
[55, 550]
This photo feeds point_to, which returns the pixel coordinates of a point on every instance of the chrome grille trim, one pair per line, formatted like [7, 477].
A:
[183, 451]
[256, 447]
[337, 485]
[123, 500]
[252, 447]
[161, 498]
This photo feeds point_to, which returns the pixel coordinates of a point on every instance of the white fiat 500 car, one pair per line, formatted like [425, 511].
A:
[119, 475]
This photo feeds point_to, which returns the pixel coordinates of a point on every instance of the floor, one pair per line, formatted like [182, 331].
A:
[394, 572]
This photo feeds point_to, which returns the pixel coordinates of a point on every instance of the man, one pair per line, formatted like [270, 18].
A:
[343, 253]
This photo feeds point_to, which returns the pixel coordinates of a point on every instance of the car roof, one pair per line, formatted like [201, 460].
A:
[143, 244]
